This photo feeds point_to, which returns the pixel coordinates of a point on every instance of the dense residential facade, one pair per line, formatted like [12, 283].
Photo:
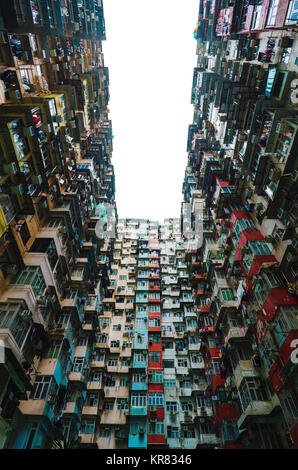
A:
[55, 173]
[242, 162]
[173, 335]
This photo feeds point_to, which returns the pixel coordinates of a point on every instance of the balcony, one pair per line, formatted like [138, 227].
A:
[138, 411]
[235, 332]
[208, 439]
[257, 408]
[244, 369]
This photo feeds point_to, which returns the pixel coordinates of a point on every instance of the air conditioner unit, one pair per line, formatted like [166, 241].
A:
[31, 189]
[17, 189]
[36, 179]
[29, 131]
[10, 168]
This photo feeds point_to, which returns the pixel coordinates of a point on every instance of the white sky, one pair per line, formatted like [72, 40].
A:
[151, 52]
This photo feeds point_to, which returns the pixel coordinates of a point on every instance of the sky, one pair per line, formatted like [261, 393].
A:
[151, 52]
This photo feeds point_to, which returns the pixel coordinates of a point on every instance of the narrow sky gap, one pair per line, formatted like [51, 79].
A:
[150, 52]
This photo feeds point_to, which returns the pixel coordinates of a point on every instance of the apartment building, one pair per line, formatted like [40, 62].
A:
[173, 335]
[242, 162]
[55, 175]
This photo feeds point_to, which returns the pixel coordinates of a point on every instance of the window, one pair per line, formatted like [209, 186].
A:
[272, 13]
[113, 362]
[124, 382]
[226, 294]
[154, 308]
[173, 432]
[287, 320]
[104, 432]
[155, 376]
[92, 399]
[188, 432]
[154, 338]
[154, 356]
[292, 14]
[260, 248]
[154, 322]
[155, 399]
[122, 404]
[96, 377]
[170, 383]
[256, 17]
[41, 387]
[31, 275]
[186, 406]
[78, 364]
[138, 400]
[125, 362]
[139, 378]
[268, 436]
[12, 317]
[140, 357]
[251, 390]
[87, 426]
[205, 428]
[108, 404]
[54, 349]
[289, 406]
[168, 364]
[201, 401]
[172, 406]
[182, 362]
[156, 427]
[83, 341]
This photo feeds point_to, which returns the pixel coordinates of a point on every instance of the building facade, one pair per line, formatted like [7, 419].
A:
[177, 335]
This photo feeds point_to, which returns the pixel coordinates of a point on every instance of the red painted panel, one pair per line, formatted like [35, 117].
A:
[154, 315]
[217, 381]
[155, 388]
[214, 352]
[233, 446]
[238, 215]
[225, 411]
[258, 262]
[294, 435]
[252, 235]
[155, 365]
[155, 347]
[286, 349]
[278, 380]
[277, 296]
[154, 329]
[156, 439]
